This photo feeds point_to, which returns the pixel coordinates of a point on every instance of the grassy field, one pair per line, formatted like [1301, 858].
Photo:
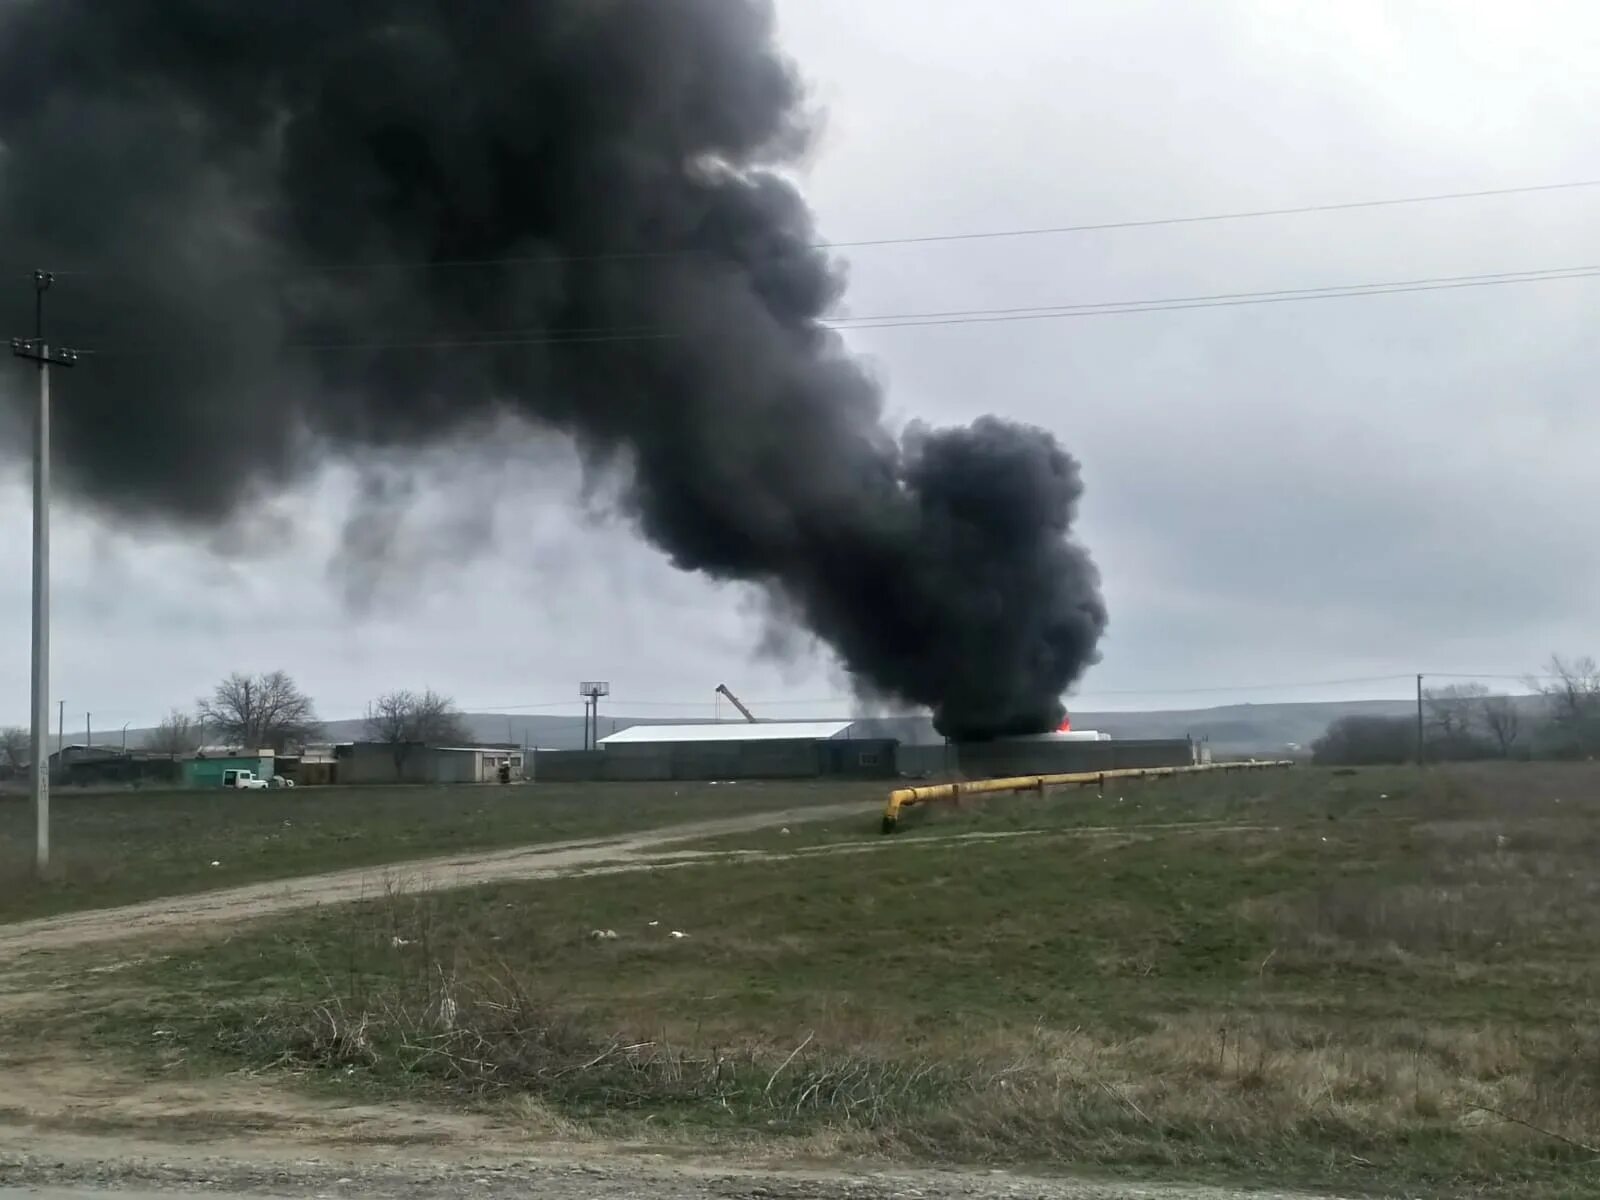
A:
[1268, 795]
[1381, 980]
[118, 848]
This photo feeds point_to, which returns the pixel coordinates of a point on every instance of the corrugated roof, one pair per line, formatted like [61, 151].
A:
[761, 731]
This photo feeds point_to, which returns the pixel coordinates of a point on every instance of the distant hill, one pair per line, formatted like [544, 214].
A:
[1229, 728]
[1243, 728]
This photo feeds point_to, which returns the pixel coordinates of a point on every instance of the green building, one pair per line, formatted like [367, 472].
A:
[205, 771]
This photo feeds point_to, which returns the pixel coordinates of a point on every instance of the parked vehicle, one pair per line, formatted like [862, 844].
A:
[244, 780]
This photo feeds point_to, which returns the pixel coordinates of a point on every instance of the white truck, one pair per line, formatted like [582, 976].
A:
[244, 780]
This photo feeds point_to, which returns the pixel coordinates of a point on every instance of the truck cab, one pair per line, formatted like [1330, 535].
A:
[245, 780]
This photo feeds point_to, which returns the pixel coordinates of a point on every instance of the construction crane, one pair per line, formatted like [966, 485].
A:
[722, 690]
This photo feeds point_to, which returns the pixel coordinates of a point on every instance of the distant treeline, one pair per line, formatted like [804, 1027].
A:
[1558, 718]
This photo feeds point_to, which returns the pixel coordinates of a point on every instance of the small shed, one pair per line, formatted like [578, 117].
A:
[384, 762]
[473, 764]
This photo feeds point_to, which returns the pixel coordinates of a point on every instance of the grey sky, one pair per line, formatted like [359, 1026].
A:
[1281, 493]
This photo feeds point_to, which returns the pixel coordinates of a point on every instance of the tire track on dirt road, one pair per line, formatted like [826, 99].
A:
[644, 851]
[184, 913]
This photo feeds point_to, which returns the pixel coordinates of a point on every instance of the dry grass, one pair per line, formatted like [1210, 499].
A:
[1479, 888]
[1381, 980]
[1233, 1089]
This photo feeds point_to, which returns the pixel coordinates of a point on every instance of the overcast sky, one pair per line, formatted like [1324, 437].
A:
[1276, 495]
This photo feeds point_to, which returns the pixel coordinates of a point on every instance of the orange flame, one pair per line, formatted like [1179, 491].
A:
[1066, 725]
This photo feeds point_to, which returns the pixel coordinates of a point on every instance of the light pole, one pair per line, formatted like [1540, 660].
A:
[39, 351]
[591, 691]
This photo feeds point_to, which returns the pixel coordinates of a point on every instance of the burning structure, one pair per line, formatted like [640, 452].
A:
[1063, 732]
[363, 231]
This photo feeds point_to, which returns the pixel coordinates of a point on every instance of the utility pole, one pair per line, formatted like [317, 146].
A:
[1421, 745]
[37, 349]
[61, 726]
[88, 730]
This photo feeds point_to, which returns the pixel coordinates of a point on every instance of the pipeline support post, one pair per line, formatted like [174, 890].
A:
[903, 798]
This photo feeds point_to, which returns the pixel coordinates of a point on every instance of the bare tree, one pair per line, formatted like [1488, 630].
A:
[16, 749]
[1501, 721]
[438, 722]
[389, 717]
[1571, 689]
[1455, 722]
[404, 720]
[1453, 711]
[177, 733]
[260, 711]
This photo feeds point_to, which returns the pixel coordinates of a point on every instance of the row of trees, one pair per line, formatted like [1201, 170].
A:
[1558, 718]
[270, 710]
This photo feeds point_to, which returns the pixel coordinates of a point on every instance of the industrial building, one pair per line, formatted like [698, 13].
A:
[747, 750]
[842, 749]
[109, 766]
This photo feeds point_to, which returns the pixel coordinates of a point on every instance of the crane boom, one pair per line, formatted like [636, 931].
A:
[722, 690]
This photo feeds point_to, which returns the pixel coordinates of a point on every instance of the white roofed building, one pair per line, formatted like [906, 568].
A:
[722, 751]
[729, 731]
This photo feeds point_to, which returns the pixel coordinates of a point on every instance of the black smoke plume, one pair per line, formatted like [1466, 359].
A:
[282, 212]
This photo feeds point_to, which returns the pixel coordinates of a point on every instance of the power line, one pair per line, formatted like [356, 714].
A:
[1533, 275]
[1243, 299]
[491, 339]
[910, 240]
[1218, 689]
[1528, 677]
[1243, 215]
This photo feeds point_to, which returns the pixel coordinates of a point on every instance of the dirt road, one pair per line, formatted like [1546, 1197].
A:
[184, 913]
[170, 1177]
[82, 1127]
[76, 1127]
[645, 851]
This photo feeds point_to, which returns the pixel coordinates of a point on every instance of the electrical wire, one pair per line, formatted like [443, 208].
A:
[865, 243]
[1531, 275]
[1243, 215]
[491, 339]
[1218, 689]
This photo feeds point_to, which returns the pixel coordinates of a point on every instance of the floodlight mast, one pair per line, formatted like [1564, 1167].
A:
[591, 690]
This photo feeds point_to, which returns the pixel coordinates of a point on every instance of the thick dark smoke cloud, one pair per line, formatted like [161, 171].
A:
[212, 166]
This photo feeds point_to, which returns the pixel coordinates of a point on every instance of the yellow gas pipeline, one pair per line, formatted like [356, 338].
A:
[907, 797]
